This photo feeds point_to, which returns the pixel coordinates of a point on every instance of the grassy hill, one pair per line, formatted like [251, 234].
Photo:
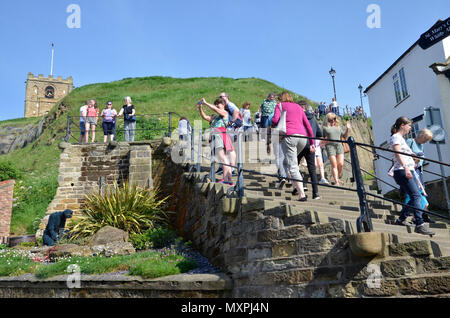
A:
[151, 95]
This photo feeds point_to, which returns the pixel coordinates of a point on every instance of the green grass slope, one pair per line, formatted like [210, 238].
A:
[151, 95]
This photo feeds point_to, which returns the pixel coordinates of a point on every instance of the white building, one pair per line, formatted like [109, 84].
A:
[416, 80]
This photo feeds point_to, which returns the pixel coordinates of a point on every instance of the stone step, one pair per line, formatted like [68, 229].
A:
[402, 234]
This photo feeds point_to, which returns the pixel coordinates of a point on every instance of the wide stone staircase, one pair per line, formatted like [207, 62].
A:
[337, 204]
[272, 245]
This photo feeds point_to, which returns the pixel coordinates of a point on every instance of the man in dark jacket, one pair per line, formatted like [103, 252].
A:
[55, 226]
[308, 151]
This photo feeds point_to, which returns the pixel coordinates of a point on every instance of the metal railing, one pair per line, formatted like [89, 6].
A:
[73, 121]
[363, 223]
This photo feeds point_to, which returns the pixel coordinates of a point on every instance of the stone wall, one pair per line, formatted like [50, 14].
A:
[6, 201]
[275, 250]
[117, 286]
[86, 168]
[436, 193]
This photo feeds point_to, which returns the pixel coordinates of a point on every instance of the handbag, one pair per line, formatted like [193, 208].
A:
[346, 147]
[281, 126]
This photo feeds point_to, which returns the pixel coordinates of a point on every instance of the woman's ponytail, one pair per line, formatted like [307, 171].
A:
[398, 123]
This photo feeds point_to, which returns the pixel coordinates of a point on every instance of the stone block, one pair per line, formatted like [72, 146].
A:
[328, 273]
[417, 248]
[367, 244]
[303, 261]
[438, 284]
[292, 232]
[434, 265]
[313, 244]
[305, 218]
[284, 249]
[332, 227]
[412, 286]
[291, 277]
[258, 253]
[385, 289]
[398, 268]
[253, 204]
[348, 290]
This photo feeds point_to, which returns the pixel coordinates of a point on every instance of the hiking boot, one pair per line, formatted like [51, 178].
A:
[422, 229]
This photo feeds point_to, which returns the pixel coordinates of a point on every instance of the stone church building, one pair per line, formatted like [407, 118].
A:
[42, 93]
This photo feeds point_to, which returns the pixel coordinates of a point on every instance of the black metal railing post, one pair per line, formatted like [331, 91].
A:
[192, 145]
[170, 125]
[199, 151]
[240, 182]
[364, 222]
[66, 139]
[212, 173]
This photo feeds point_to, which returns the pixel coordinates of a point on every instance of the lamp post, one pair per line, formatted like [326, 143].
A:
[360, 94]
[332, 73]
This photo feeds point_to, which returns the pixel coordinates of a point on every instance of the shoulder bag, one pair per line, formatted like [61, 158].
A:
[281, 126]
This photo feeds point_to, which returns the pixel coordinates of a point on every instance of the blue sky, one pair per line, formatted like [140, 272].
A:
[292, 43]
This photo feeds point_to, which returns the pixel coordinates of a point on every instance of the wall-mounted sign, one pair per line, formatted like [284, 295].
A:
[436, 33]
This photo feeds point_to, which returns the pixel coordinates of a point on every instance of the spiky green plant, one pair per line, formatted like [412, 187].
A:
[131, 208]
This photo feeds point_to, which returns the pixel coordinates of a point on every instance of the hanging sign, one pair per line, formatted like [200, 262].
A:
[436, 33]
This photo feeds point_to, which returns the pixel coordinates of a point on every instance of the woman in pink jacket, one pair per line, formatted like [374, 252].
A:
[297, 124]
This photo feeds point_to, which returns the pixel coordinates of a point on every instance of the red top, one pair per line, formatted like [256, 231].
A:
[92, 112]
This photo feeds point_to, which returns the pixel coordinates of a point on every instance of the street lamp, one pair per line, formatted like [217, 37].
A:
[332, 73]
[360, 94]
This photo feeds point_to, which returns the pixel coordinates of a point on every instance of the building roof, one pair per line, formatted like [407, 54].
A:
[398, 60]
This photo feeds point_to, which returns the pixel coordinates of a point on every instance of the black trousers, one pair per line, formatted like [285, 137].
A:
[311, 162]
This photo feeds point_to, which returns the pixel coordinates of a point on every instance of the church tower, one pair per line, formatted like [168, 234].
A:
[42, 93]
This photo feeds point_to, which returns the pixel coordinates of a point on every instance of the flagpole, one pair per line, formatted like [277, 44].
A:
[51, 67]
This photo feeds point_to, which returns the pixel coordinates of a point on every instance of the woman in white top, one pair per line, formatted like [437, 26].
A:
[403, 167]
[246, 118]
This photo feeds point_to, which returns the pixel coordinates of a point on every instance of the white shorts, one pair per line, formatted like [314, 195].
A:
[318, 152]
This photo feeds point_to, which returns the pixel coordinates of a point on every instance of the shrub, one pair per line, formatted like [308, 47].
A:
[156, 237]
[31, 199]
[130, 208]
[9, 171]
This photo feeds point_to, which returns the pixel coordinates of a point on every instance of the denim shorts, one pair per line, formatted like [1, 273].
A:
[82, 128]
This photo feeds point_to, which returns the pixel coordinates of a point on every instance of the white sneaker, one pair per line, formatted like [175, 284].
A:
[323, 180]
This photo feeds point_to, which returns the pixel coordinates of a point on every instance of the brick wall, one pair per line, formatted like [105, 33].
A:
[6, 201]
